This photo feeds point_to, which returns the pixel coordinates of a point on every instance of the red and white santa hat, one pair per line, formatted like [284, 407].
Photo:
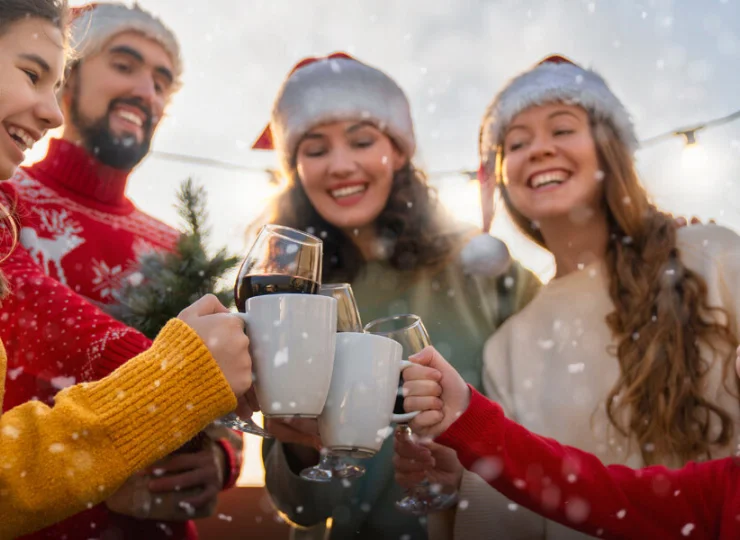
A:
[332, 89]
[94, 24]
[554, 79]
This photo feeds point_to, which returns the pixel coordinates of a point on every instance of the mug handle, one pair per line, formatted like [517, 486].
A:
[406, 417]
[245, 317]
[233, 421]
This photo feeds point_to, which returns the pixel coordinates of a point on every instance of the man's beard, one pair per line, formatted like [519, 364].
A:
[122, 152]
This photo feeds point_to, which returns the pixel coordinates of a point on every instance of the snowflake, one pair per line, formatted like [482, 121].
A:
[106, 279]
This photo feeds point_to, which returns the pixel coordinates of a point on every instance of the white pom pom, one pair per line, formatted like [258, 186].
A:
[485, 255]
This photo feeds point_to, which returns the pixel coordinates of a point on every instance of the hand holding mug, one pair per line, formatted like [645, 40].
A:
[223, 335]
[437, 390]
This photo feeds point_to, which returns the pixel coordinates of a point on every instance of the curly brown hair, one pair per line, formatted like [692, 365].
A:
[12, 11]
[660, 318]
[414, 229]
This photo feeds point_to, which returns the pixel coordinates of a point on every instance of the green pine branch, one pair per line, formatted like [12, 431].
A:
[172, 281]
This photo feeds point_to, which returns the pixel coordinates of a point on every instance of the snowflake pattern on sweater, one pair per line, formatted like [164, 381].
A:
[76, 228]
[65, 237]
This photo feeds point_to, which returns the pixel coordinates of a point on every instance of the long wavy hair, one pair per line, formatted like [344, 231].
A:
[12, 11]
[414, 231]
[660, 318]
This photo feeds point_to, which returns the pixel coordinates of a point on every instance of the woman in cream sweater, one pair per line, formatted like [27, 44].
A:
[57, 461]
[626, 353]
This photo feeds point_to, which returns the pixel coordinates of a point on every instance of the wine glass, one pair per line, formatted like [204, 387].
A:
[348, 315]
[348, 320]
[281, 260]
[409, 331]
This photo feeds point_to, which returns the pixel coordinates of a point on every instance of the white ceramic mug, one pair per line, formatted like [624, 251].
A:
[292, 339]
[359, 410]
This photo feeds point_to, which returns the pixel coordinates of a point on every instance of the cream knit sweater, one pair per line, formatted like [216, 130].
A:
[551, 369]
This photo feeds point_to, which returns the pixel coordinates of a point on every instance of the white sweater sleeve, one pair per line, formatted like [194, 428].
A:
[714, 252]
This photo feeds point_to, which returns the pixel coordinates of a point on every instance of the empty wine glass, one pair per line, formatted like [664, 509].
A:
[281, 260]
[332, 464]
[409, 331]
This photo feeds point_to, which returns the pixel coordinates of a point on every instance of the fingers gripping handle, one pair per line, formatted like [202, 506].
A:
[406, 417]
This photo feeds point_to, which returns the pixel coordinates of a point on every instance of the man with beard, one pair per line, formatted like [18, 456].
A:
[82, 230]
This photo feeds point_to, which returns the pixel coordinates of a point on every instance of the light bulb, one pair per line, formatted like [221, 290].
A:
[693, 158]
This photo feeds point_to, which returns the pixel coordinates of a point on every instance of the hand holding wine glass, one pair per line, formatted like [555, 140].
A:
[409, 331]
[416, 461]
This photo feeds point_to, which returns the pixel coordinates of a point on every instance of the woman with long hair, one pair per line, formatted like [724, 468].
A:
[344, 138]
[57, 461]
[627, 352]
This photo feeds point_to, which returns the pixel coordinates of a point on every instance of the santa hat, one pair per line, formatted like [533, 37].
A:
[93, 25]
[333, 89]
[554, 79]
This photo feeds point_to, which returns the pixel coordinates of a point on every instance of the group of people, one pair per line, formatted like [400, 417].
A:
[626, 355]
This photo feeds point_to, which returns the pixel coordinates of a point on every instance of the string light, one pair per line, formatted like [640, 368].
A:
[693, 154]
[273, 175]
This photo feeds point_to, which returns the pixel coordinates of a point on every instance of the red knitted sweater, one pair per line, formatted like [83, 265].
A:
[80, 233]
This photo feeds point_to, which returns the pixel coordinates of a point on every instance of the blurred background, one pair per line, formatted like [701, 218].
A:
[674, 63]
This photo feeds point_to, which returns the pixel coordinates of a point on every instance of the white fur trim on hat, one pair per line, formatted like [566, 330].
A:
[551, 82]
[485, 255]
[97, 25]
[333, 90]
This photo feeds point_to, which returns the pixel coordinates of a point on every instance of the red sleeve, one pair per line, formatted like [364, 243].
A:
[54, 337]
[574, 488]
[233, 463]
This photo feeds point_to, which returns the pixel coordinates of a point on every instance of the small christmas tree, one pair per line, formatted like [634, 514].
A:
[172, 281]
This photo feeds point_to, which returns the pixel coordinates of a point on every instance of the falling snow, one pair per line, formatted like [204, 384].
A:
[546, 344]
[577, 510]
[56, 448]
[11, 432]
[281, 357]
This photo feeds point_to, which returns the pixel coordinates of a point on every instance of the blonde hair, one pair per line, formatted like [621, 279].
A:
[660, 317]
[7, 226]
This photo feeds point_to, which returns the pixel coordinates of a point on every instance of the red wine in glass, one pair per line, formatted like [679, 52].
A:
[282, 260]
[259, 285]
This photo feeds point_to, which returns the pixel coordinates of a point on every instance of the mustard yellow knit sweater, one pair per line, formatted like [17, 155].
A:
[55, 462]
